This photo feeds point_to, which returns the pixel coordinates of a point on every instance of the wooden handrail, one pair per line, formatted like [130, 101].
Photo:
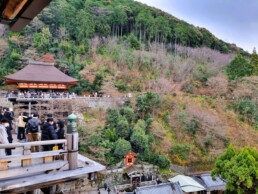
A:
[33, 143]
[29, 163]
[32, 155]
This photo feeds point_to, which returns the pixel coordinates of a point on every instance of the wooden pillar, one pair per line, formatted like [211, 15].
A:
[72, 147]
[72, 138]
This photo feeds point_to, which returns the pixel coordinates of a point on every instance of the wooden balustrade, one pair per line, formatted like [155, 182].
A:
[28, 163]
[26, 170]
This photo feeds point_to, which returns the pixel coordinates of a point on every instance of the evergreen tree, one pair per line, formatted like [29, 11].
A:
[239, 67]
[239, 169]
[254, 62]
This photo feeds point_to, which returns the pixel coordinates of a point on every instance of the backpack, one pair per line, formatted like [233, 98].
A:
[33, 125]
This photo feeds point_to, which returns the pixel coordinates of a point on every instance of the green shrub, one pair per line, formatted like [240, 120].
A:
[122, 148]
[181, 151]
[95, 140]
[133, 42]
[128, 113]
[139, 140]
[161, 160]
[192, 126]
[121, 86]
[123, 129]
[83, 148]
[188, 88]
[208, 143]
[97, 83]
[102, 50]
[111, 134]
[247, 109]
[112, 118]
[147, 103]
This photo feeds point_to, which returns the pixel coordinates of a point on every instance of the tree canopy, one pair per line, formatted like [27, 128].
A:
[239, 168]
[239, 67]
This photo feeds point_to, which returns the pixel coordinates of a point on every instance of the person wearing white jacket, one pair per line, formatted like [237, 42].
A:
[3, 135]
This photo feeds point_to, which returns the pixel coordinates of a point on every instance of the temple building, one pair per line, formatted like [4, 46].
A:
[40, 75]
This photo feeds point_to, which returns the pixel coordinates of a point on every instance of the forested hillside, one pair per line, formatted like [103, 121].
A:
[193, 94]
[66, 28]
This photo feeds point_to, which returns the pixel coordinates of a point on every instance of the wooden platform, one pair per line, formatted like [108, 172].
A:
[41, 170]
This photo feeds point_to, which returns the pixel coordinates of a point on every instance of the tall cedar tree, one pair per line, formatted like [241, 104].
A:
[254, 62]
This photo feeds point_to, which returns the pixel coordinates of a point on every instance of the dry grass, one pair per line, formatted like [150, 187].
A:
[217, 127]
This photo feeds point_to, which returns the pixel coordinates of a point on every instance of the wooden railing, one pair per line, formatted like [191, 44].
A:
[27, 163]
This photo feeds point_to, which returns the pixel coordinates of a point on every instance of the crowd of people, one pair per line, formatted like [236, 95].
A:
[40, 94]
[30, 128]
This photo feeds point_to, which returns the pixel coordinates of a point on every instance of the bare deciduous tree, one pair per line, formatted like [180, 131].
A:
[218, 85]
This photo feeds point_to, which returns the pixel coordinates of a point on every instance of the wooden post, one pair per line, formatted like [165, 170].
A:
[72, 142]
[26, 151]
[29, 108]
[4, 165]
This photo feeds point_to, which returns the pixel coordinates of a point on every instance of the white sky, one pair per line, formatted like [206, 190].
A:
[233, 21]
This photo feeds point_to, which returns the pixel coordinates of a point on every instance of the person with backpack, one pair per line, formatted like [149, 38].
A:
[32, 131]
[48, 133]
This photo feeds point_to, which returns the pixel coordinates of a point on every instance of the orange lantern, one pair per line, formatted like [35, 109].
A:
[130, 159]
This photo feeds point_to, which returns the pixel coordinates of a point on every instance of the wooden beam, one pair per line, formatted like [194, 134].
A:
[31, 11]
[29, 170]
[13, 8]
[31, 156]
[33, 143]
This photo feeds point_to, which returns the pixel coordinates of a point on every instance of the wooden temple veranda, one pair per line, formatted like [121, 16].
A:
[26, 171]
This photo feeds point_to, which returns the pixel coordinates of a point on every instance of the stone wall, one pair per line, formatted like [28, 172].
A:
[80, 186]
[5, 103]
[103, 103]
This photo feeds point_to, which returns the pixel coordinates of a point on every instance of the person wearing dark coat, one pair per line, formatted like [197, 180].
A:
[8, 115]
[60, 132]
[48, 133]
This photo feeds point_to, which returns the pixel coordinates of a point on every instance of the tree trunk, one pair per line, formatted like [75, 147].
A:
[140, 34]
[113, 31]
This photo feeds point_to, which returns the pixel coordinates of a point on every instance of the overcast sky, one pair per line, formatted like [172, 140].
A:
[234, 21]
